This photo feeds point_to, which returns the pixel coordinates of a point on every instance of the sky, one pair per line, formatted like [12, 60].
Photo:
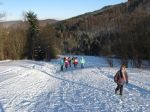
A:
[51, 9]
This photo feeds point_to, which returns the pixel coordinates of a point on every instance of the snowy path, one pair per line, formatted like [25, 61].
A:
[28, 86]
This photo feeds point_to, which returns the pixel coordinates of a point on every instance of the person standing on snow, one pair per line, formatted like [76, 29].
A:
[66, 62]
[72, 60]
[82, 61]
[121, 78]
[62, 63]
[69, 60]
[75, 62]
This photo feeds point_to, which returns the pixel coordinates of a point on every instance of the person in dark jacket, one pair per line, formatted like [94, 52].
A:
[121, 78]
[69, 60]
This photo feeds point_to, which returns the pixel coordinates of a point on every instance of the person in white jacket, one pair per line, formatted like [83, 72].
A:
[82, 61]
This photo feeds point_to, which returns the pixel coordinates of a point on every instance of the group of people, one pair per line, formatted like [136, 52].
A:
[69, 62]
[120, 78]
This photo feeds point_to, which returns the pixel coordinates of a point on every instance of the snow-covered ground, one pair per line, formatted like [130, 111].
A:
[30, 86]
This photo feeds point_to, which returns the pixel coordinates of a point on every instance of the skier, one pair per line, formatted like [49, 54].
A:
[82, 61]
[62, 64]
[121, 78]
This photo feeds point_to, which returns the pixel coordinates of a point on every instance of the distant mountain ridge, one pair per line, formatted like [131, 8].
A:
[15, 23]
[106, 17]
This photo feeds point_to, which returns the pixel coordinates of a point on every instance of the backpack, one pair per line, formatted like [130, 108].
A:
[116, 77]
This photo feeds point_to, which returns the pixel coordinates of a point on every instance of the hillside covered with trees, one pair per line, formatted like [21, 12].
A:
[119, 30]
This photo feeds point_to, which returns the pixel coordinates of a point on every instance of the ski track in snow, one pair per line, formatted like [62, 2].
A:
[30, 86]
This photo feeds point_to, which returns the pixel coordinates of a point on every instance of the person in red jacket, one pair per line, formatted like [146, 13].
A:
[121, 78]
[75, 62]
[66, 62]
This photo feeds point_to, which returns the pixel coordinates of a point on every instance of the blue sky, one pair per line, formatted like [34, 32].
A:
[52, 9]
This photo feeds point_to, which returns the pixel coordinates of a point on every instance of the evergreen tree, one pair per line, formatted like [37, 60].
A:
[33, 34]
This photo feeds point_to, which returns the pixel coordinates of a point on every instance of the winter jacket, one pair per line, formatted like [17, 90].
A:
[120, 80]
[82, 61]
[61, 62]
[75, 61]
[66, 62]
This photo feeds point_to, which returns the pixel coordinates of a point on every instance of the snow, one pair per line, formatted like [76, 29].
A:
[30, 86]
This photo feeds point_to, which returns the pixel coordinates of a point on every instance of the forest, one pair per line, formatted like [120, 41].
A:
[120, 31]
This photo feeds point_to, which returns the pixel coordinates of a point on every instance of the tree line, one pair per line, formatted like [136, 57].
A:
[115, 32]
[28, 40]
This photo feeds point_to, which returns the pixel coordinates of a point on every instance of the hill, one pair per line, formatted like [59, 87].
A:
[109, 31]
[107, 17]
[29, 86]
[120, 31]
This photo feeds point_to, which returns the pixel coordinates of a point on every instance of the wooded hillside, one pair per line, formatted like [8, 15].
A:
[119, 30]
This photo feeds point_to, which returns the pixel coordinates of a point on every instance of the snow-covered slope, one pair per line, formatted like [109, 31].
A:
[29, 86]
